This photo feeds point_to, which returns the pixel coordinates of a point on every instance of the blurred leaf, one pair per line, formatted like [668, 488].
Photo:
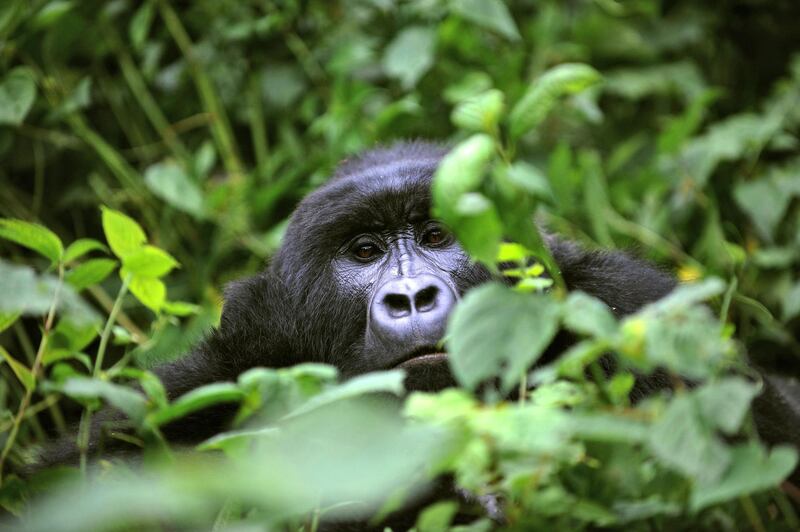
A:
[197, 399]
[587, 315]
[51, 13]
[531, 179]
[437, 517]
[461, 171]
[491, 14]
[790, 302]
[81, 247]
[384, 381]
[180, 308]
[123, 234]
[90, 273]
[149, 261]
[17, 94]
[410, 55]
[726, 402]
[170, 182]
[479, 113]
[682, 77]
[490, 334]
[751, 470]
[479, 226]
[32, 236]
[132, 403]
[140, 24]
[544, 93]
[7, 319]
[20, 370]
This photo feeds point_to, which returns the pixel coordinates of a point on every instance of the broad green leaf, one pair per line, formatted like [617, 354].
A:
[149, 261]
[471, 84]
[129, 401]
[461, 171]
[71, 336]
[545, 92]
[26, 292]
[90, 273]
[495, 331]
[151, 292]
[477, 225]
[751, 470]
[684, 441]
[384, 381]
[490, 14]
[81, 247]
[587, 315]
[409, 56]
[725, 403]
[123, 234]
[479, 113]
[20, 370]
[530, 179]
[236, 443]
[33, 236]
[197, 399]
[17, 94]
[53, 356]
[686, 295]
[7, 319]
[170, 182]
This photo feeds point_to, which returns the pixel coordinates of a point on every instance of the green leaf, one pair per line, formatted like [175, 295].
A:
[437, 517]
[490, 14]
[588, 315]
[496, 331]
[90, 273]
[140, 24]
[725, 403]
[479, 113]
[461, 171]
[149, 261]
[790, 302]
[530, 179]
[51, 13]
[33, 236]
[20, 370]
[170, 182]
[123, 234]
[384, 381]
[151, 292]
[7, 319]
[180, 308]
[686, 295]
[751, 470]
[544, 93]
[17, 94]
[682, 440]
[197, 399]
[477, 225]
[81, 247]
[410, 55]
[131, 402]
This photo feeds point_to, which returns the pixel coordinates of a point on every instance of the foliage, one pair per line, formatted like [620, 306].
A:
[197, 127]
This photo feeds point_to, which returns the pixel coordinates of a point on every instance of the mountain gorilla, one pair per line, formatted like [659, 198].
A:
[365, 280]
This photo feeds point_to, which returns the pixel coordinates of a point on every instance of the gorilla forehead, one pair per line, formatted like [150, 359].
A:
[386, 190]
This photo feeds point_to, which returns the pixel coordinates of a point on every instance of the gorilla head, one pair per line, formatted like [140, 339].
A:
[372, 277]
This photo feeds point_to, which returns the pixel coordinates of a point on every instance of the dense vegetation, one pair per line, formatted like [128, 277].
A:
[151, 151]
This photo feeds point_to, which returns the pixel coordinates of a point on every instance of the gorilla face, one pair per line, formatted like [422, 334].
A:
[367, 245]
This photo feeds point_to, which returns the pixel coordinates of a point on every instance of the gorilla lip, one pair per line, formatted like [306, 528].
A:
[422, 356]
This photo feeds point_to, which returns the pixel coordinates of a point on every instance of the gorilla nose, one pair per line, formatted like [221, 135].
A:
[412, 310]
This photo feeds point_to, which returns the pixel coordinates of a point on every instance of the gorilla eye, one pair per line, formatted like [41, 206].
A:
[435, 236]
[365, 250]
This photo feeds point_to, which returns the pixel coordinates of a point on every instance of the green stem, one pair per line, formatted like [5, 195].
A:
[27, 348]
[112, 318]
[752, 514]
[37, 366]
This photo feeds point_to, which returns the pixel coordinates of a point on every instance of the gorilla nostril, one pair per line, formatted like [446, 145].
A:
[425, 299]
[398, 305]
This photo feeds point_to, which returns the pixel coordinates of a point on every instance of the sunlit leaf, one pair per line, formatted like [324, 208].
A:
[90, 273]
[410, 54]
[22, 372]
[149, 261]
[81, 247]
[33, 236]
[123, 234]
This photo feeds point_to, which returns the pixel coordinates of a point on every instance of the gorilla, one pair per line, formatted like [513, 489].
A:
[365, 281]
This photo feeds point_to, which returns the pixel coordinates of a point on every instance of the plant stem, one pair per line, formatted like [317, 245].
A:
[37, 366]
[752, 514]
[112, 318]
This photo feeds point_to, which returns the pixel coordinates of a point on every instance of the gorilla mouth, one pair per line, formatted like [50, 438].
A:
[422, 356]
